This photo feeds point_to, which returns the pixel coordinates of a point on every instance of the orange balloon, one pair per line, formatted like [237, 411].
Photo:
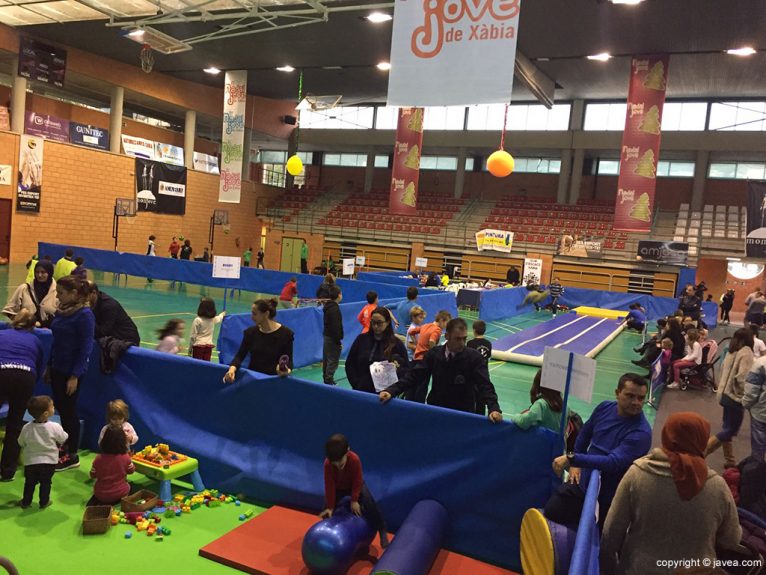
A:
[500, 164]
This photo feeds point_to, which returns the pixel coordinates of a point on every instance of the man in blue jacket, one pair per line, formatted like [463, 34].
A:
[616, 434]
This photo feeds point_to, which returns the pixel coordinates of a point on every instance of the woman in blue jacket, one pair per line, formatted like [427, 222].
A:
[73, 329]
[21, 362]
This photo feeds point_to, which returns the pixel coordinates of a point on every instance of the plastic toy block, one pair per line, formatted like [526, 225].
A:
[186, 509]
[159, 539]
[214, 503]
[128, 534]
[177, 512]
[115, 519]
[237, 502]
[170, 513]
[178, 498]
[242, 517]
[166, 531]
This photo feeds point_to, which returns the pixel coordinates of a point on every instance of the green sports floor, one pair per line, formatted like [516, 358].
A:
[45, 541]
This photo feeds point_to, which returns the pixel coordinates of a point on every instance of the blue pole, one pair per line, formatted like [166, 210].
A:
[563, 426]
[225, 289]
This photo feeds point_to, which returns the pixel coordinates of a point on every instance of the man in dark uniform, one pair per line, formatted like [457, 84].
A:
[459, 374]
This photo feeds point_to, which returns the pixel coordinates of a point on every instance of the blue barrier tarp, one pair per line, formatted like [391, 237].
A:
[308, 325]
[264, 436]
[251, 279]
[397, 278]
[501, 303]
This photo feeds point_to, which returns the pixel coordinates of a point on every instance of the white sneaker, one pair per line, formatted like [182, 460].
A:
[674, 385]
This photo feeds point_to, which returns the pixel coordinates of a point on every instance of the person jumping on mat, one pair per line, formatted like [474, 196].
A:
[535, 296]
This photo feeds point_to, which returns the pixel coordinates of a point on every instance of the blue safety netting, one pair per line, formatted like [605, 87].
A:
[397, 278]
[506, 302]
[251, 279]
[308, 324]
[264, 437]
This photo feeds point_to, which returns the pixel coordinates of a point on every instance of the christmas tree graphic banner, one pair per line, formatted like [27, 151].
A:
[640, 150]
[406, 168]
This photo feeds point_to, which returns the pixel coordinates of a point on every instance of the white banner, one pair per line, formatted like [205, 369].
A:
[348, 266]
[234, 101]
[556, 366]
[138, 147]
[206, 163]
[168, 154]
[226, 267]
[453, 53]
[497, 240]
[533, 271]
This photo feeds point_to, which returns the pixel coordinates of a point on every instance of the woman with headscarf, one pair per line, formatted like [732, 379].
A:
[669, 505]
[37, 296]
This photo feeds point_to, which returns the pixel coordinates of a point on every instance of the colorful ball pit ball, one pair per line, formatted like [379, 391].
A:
[500, 164]
[294, 166]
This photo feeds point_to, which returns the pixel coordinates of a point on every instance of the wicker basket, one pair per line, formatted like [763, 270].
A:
[97, 519]
[130, 502]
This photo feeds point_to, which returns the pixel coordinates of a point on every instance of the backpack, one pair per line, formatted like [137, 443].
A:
[574, 424]
[752, 486]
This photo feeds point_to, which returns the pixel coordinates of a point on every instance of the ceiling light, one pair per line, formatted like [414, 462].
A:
[744, 51]
[385, 66]
[379, 17]
[287, 68]
[212, 70]
[602, 57]
[137, 33]
[628, 2]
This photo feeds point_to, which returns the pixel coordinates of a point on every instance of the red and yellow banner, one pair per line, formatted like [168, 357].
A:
[641, 143]
[406, 169]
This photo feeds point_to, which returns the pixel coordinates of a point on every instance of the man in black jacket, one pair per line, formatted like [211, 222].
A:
[333, 334]
[458, 373]
[111, 319]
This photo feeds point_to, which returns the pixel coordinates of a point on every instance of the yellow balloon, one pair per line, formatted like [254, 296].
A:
[500, 164]
[294, 166]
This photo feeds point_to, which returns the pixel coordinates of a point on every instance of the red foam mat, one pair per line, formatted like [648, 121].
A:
[270, 544]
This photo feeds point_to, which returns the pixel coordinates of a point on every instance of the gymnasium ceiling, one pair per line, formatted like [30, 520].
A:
[339, 56]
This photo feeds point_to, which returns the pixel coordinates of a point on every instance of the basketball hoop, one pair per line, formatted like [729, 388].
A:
[147, 58]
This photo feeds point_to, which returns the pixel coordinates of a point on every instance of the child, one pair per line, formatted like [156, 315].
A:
[80, 271]
[417, 317]
[41, 440]
[170, 336]
[484, 347]
[332, 334]
[342, 478]
[636, 318]
[693, 357]
[289, 296]
[110, 469]
[117, 415]
[150, 248]
[667, 352]
[247, 257]
[428, 337]
[201, 338]
[556, 291]
[366, 313]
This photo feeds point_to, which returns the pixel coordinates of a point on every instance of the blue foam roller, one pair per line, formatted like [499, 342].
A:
[331, 546]
[417, 542]
[563, 546]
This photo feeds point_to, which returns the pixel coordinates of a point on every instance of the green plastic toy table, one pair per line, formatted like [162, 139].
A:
[188, 467]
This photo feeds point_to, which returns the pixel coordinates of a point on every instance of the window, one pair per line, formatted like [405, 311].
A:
[469, 163]
[599, 117]
[684, 116]
[665, 168]
[438, 163]
[387, 117]
[345, 159]
[737, 170]
[340, 118]
[520, 117]
[444, 118]
[534, 165]
[273, 157]
[738, 116]
[273, 167]
[381, 161]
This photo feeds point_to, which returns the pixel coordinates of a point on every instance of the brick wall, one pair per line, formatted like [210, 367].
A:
[77, 204]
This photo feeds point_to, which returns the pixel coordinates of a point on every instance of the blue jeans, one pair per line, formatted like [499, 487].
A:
[732, 421]
[758, 438]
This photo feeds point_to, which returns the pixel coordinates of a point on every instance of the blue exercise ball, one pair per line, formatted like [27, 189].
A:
[330, 546]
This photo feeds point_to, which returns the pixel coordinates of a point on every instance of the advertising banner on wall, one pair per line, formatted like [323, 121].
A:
[30, 184]
[45, 126]
[232, 143]
[497, 240]
[89, 136]
[670, 253]
[405, 172]
[466, 49]
[206, 163]
[138, 147]
[42, 62]
[641, 143]
[533, 271]
[169, 154]
[579, 247]
[755, 241]
[160, 187]
[5, 119]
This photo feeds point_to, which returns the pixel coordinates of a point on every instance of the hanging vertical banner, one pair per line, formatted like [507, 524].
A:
[454, 53]
[232, 142]
[641, 144]
[755, 241]
[406, 169]
[30, 174]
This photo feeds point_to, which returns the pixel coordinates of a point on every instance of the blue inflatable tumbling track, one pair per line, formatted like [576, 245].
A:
[581, 334]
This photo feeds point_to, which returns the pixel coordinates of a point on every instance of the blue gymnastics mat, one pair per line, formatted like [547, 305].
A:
[581, 334]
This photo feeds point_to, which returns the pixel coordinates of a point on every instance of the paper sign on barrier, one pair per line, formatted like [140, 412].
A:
[348, 266]
[226, 267]
[360, 261]
[421, 262]
[555, 367]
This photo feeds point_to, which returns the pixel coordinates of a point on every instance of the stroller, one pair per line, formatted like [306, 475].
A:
[702, 376]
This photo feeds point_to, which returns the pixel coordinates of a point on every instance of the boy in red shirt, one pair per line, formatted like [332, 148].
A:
[428, 337]
[289, 294]
[342, 478]
[366, 314]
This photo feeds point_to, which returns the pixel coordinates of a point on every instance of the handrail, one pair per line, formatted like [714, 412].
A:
[586, 547]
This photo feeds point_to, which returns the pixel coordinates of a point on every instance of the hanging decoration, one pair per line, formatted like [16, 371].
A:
[500, 163]
[294, 163]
